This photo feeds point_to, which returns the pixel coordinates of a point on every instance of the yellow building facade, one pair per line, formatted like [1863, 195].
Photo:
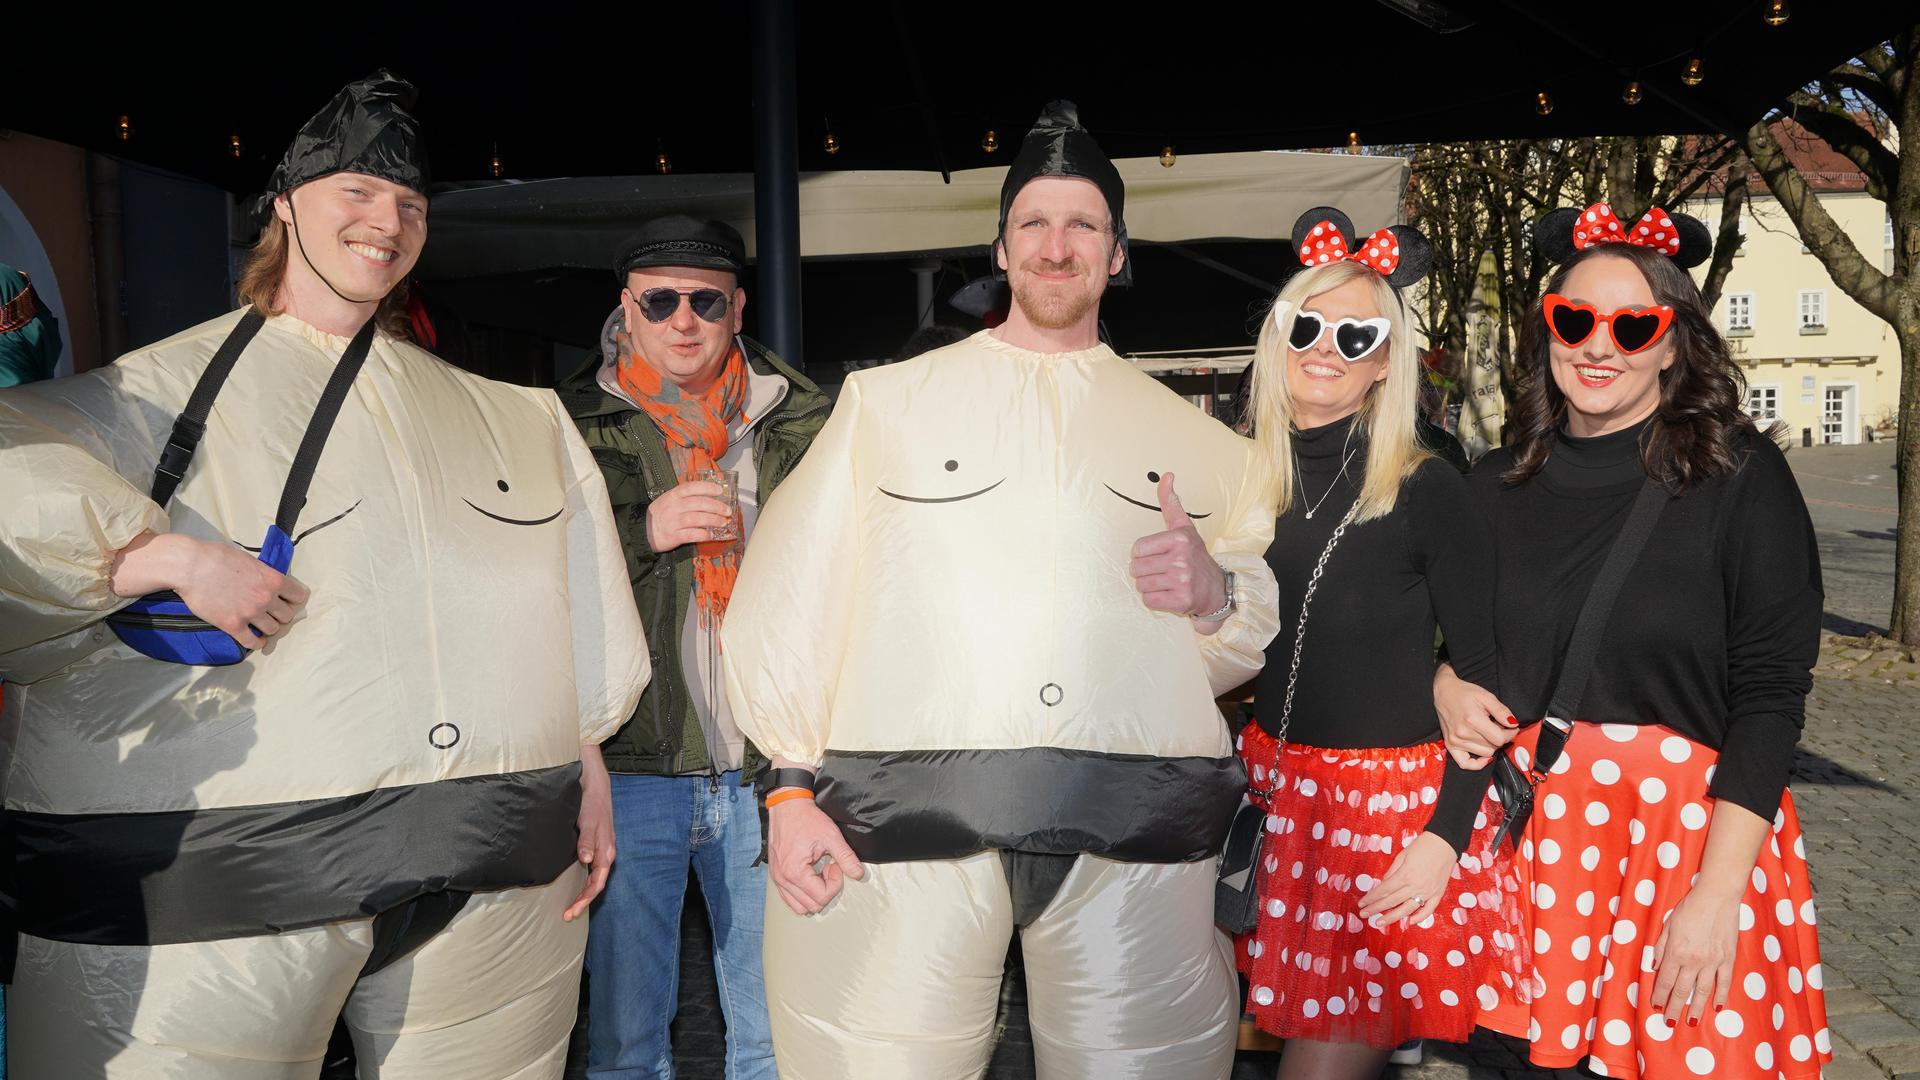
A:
[1813, 357]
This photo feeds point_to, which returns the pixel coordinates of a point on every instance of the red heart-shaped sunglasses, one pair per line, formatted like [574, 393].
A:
[1633, 330]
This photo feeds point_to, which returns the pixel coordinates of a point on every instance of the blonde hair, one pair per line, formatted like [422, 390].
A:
[1387, 414]
[266, 268]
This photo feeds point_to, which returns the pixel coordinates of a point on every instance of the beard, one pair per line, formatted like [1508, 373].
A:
[1053, 305]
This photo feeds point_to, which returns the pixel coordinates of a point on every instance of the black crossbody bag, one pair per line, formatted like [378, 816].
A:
[1515, 785]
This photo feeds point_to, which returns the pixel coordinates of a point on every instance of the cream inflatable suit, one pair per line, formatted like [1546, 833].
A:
[937, 611]
[213, 862]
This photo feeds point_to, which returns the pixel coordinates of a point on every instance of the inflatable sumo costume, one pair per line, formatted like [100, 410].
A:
[375, 817]
[937, 612]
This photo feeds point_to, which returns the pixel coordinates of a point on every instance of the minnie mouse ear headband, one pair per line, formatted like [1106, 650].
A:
[1560, 233]
[1398, 253]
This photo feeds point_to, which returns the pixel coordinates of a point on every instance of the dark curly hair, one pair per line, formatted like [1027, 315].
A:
[1700, 428]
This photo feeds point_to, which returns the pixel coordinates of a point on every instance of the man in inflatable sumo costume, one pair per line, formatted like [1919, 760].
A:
[980, 612]
[375, 815]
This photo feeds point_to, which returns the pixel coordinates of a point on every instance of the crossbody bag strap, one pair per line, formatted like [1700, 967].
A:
[191, 424]
[1300, 635]
[307, 458]
[1584, 647]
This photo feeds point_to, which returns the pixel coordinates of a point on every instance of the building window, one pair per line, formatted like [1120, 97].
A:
[1763, 404]
[1740, 314]
[1813, 311]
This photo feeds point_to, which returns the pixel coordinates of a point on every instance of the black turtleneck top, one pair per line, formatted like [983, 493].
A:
[1366, 670]
[1717, 625]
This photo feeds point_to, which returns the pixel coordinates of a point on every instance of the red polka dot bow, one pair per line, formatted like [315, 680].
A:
[1597, 225]
[1325, 244]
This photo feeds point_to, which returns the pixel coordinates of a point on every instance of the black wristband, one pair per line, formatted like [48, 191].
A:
[772, 780]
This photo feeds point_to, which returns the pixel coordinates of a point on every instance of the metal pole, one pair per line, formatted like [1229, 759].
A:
[109, 255]
[923, 290]
[776, 179]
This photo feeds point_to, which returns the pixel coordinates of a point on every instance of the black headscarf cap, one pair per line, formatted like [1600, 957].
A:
[368, 127]
[1059, 146]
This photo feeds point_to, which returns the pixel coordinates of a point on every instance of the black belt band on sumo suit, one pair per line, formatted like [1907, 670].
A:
[1040, 806]
[203, 875]
[909, 805]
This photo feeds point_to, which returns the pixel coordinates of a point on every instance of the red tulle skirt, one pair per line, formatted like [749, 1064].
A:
[1614, 843]
[1315, 968]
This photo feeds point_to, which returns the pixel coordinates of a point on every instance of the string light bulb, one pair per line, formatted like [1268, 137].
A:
[1543, 102]
[662, 163]
[992, 142]
[1166, 156]
[494, 166]
[1776, 13]
[830, 144]
[1694, 73]
[1353, 142]
[1631, 95]
[126, 128]
[233, 143]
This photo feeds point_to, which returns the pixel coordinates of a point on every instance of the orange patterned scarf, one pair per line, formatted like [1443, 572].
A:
[695, 426]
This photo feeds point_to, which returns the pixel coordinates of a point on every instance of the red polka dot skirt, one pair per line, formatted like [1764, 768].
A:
[1615, 840]
[1314, 968]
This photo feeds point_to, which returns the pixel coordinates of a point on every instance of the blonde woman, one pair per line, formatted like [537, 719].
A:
[1381, 899]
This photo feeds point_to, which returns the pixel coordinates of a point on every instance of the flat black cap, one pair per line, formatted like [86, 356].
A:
[680, 240]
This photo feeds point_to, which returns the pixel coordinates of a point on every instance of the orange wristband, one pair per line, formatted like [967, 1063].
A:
[788, 795]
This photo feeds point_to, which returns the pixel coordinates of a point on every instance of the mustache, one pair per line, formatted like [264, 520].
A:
[1048, 266]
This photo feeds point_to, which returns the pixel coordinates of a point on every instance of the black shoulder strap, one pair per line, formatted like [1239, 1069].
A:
[192, 422]
[307, 458]
[1594, 612]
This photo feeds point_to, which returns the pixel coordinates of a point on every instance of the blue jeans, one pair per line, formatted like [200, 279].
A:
[663, 825]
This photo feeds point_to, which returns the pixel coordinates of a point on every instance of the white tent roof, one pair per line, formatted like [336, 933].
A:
[583, 221]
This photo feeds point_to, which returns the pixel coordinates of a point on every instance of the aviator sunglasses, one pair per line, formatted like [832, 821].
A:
[658, 305]
[1633, 331]
[1355, 339]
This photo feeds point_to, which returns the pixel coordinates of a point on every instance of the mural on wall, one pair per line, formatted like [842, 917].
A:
[21, 249]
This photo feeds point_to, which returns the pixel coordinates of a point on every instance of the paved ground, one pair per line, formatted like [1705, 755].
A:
[1850, 492]
[1858, 786]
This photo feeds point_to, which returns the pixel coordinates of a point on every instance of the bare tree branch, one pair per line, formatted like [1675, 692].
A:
[1727, 244]
[1823, 236]
[1831, 122]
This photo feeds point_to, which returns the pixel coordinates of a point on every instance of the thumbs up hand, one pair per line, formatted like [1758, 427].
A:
[1173, 570]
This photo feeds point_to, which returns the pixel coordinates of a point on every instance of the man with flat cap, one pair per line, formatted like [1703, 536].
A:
[351, 771]
[980, 635]
[676, 400]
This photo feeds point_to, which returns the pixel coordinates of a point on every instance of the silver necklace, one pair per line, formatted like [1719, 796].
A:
[1344, 462]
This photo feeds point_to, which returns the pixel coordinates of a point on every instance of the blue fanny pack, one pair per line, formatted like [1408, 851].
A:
[160, 625]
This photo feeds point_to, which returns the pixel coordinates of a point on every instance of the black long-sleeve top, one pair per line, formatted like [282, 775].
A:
[1366, 670]
[1716, 628]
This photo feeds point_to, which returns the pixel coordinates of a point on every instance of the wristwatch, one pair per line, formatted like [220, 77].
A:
[1226, 609]
[772, 780]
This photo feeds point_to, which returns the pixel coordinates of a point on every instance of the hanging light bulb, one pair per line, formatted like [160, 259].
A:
[1166, 157]
[126, 128]
[1353, 142]
[831, 144]
[233, 143]
[1542, 102]
[661, 162]
[991, 142]
[1695, 72]
[1776, 13]
[1631, 95]
[494, 166]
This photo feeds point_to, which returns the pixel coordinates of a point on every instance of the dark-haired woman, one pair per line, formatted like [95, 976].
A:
[1672, 920]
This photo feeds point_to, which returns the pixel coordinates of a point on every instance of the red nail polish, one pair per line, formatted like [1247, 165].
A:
[1717, 1008]
[1672, 1023]
[1511, 722]
[1693, 1021]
